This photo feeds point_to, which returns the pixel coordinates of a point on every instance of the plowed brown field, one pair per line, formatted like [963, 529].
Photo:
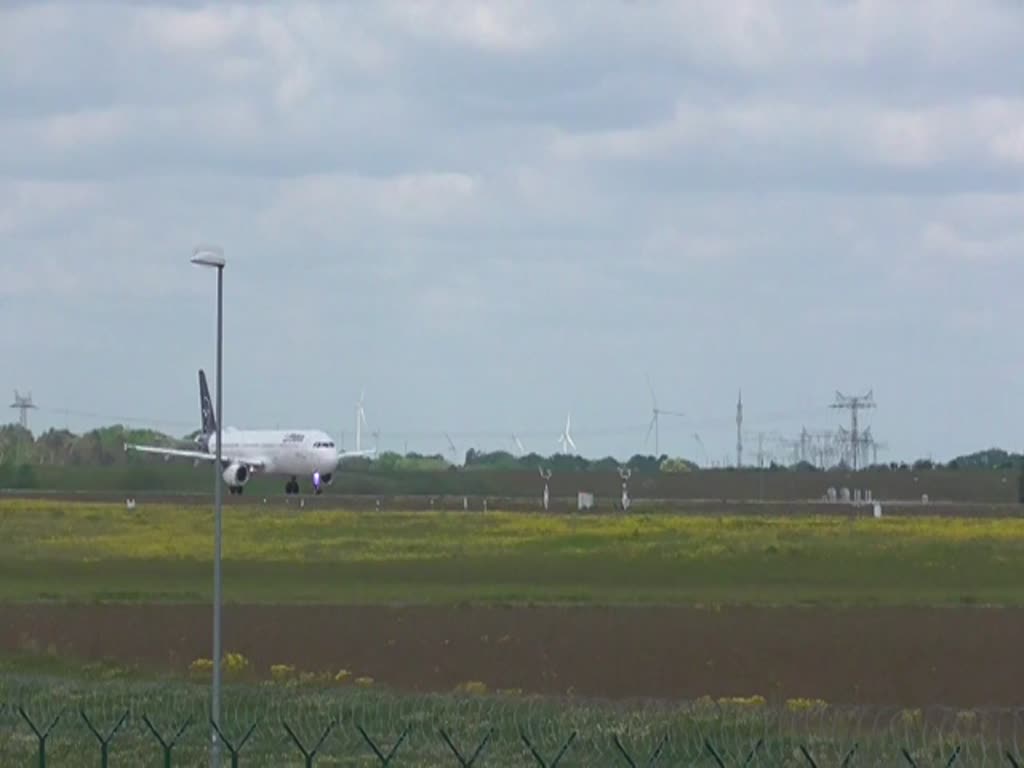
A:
[913, 657]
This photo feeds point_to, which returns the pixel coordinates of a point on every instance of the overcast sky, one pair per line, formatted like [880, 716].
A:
[488, 214]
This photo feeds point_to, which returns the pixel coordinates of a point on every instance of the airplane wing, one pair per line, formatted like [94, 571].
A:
[195, 455]
[353, 454]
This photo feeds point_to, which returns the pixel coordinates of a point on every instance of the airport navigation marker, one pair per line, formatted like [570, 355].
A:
[545, 476]
[212, 256]
[625, 473]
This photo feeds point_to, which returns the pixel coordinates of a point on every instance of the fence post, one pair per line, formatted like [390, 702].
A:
[104, 741]
[721, 762]
[309, 754]
[540, 760]
[629, 758]
[714, 753]
[463, 761]
[231, 748]
[41, 736]
[166, 745]
[844, 764]
[952, 758]
[385, 760]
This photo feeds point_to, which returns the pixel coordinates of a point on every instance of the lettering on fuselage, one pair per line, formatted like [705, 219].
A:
[293, 437]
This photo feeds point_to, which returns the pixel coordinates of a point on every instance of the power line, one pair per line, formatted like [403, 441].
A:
[823, 448]
[613, 430]
[65, 412]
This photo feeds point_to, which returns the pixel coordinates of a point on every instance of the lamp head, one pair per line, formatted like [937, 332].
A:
[208, 256]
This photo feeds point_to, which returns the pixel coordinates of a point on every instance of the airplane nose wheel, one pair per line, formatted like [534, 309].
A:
[291, 487]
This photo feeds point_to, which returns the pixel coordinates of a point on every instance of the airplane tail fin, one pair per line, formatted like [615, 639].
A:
[206, 406]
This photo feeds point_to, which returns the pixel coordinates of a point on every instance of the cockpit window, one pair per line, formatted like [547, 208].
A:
[327, 444]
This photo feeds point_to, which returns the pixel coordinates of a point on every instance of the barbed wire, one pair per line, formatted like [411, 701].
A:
[289, 724]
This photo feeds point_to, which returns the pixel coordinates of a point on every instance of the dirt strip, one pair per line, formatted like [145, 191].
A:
[875, 656]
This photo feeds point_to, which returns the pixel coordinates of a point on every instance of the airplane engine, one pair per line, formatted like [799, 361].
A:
[319, 481]
[236, 475]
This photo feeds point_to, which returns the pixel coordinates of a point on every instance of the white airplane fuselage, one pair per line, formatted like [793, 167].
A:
[291, 452]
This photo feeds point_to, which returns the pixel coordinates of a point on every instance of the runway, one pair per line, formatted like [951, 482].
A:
[422, 503]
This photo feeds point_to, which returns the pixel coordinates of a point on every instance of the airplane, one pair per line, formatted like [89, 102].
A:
[290, 452]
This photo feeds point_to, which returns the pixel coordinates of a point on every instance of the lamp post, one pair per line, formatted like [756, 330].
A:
[213, 256]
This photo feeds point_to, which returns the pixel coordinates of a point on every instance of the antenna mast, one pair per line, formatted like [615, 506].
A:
[854, 404]
[739, 431]
[24, 404]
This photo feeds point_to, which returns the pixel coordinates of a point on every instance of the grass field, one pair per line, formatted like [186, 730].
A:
[867, 612]
[77, 552]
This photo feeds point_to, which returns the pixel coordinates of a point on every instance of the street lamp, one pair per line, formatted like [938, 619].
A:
[213, 256]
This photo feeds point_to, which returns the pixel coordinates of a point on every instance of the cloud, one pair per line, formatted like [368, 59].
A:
[506, 26]
[192, 30]
[34, 207]
[849, 135]
[948, 243]
[703, 189]
[322, 205]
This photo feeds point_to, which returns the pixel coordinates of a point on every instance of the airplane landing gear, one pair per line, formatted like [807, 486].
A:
[291, 487]
[235, 489]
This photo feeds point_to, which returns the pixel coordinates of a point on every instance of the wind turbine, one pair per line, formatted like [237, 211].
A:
[452, 448]
[656, 412]
[518, 444]
[700, 444]
[566, 438]
[360, 421]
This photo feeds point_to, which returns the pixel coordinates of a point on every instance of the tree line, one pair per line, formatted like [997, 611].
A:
[105, 447]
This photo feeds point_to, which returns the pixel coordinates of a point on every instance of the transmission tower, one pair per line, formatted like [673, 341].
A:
[24, 404]
[739, 431]
[855, 404]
